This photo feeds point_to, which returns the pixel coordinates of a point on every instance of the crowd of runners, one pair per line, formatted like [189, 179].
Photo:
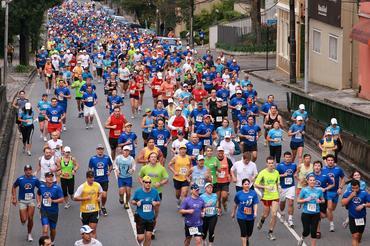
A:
[205, 115]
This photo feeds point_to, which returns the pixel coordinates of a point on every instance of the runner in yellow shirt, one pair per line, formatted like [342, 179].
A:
[89, 194]
[268, 181]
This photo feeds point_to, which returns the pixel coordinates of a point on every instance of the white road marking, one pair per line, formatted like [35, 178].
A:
[109, 150]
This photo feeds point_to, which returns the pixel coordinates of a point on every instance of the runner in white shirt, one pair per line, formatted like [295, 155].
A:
[55, 144]
[179, 141]
[87, 240]
[242, 169]
[228, 146]
[124, 77]
[47, 163]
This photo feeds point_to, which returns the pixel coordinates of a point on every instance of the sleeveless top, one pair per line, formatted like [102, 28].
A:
[148, 152]
[182, 166]
[223, 176]
[115, 133]
[148, 121]
[327, 147]
[271, 121]
[66, 168]
[199, 177]
[303, 172]
[46, 165]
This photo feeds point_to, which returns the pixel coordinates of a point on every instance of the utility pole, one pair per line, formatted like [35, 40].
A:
[157, 21]
[306, 29]
[191, 23]
[292, 42]
[5, 4]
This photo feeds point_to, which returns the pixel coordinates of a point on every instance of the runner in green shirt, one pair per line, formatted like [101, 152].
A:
[268, 181]
[77, 86]
[212, 163]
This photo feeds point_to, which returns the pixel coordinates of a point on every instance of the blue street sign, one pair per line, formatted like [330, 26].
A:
[271, 22]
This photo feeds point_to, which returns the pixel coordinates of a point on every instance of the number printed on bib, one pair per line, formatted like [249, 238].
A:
[28, 196]
[210, 210]
[195, 152]
[199, 118]
[193, 231]
[218, 118]
[360, 222]
[288, 181]
[247, 210]
[207, 142]
[90, 207]
[183, 171]
[100, 172]
[46, 202]
[147, 208]
[160, 142]
[54, 119]
[311, 207]
[221, 174]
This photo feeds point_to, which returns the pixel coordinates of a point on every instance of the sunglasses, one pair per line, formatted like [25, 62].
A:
[147, 182]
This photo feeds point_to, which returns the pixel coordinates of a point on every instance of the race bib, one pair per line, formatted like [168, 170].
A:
[195, 152]
[54, 118]
[149, 129]
[117, 132]
[238, 107]
[90, 99]
[147, 208]
[193, 231]
[298, 135]
[60, 98]
[247, 210]
[160, 142]
[168, 93]
[157, 87]
[251, 138]
[200, 182]
[99, 172]
[210, 210]
[46, 202]
[199, 118]
[207, 142]
[278, 140]
[224, 103]
[311, 207]
[360, 222]
[90, 207]
[29, 121]
[183, 171]
[132, 91]
[28, 196]
[221, 174]
[219, 118]
[288, 181]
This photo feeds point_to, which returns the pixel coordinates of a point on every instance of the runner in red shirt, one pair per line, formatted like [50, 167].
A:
[156, 86]
[178, 122]
[199, 93]
[115, 123]
[140, 81]
[134, 97]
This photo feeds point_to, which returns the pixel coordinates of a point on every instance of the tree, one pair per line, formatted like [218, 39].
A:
[256, 19]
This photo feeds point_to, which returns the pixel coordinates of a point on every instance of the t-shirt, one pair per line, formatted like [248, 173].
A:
[298, 137]
[193, 150]
[146, 209]
[245, 202]
[299, 113]
[210, 204]
[128, 136]
[204, 129]
[361, 197]
[311, 207]
[290, 169]
[243, 171]
[93, 242]
[322, 181]
[157, 173]
[124, 165]
[54, 192]
[195, 218]
[212, 164]
[90, 99]
[100, 164]
[26, 187]
[271, 180]
[276, 134]
[335, 173]
[54, 114]
[252, 132]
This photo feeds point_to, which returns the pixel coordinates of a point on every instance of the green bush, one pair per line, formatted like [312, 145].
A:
[22, 69]
[183, 34]
[246, 48]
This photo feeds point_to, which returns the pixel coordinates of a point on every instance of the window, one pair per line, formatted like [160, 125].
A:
[333, 47]
[316, 41]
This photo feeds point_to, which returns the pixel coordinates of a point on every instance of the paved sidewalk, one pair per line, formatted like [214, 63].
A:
[342, 98]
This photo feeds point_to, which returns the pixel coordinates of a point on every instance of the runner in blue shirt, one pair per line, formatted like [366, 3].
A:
[242, 117]
[102, 167]
[159, 111]
[162, 137]
[26, 198]
[205, 131]
[356, 201]
[250, 92]
[297, 132]
[194, 148]
[311, 197]
[287, 170]
[54, 115]
[197, 116]
[337, 175]
[267, 105]
[128, 138]
[236, 105]
[145, 199]
[249, 135]
[245, 207]
[89, 99]
[223, 93]
[48, 197]
[211, 212]
[62, 93]
[300, 112]
[114, 100]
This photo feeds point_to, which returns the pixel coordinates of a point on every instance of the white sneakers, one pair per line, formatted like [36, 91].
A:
[29, 238]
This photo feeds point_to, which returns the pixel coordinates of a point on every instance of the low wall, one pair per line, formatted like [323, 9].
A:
[3, 104]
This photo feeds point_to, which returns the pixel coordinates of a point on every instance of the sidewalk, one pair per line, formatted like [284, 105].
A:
[342, 98]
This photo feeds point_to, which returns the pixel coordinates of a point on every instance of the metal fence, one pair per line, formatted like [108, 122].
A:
[232, 35]
[351, 122]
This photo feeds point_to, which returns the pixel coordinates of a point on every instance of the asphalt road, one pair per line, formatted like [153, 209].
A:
[116, 229]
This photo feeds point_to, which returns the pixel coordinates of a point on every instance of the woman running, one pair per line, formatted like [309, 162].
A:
[26, 119]
[211, 212]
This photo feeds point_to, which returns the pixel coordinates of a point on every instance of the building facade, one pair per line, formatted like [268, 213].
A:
[361, 33]
[331, 50]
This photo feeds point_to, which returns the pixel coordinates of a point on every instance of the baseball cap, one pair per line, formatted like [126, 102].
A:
[227, 135]
[182, 146]
[128, 124]
[27, 167]
[27, 106]
[147, 179]
[185, 85]
[206, 115]
[85, 229]
[170, 100]
[180, 132]
[194, 187]
[200, 104]
[299, 117]
[239, 92]
[234, 60]
[67, 149]
[178, 108]
[126, 147]
[100, 146]
[328, 133]
[334, 121]
[148, 110]
[220, 148]
[48, 174]
[249, 99]
[200, 157]
[301, 107]
[205, 186]
[219, 99]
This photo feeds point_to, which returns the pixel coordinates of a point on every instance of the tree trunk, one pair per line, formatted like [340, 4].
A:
[24, 44]
[256, 20]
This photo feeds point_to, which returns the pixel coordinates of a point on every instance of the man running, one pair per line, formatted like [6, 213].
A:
[26, 198]
[87, 239]
[223, 178]
[48, 197]
[115, 124]
[143, 156]
[89, 194]
[102, 167]
[199, 174]
[212, 163]
[268, 180]
[89, 99]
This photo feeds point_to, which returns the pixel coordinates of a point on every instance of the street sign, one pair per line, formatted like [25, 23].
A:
[271, 22]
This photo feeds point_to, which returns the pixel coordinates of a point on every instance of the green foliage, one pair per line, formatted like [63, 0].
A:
[246, 48]
[22, 69]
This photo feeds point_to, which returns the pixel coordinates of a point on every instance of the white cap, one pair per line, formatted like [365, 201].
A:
[299, 117]
[301, 107]
[328, 132]
[200, 157]
[27, 106]
[67, 149]
[234, 60]
[85, 229]
[159, 75]
[334, 121]
[126, 147]
[170, 100]
[185, 84]
[239, 91]
[68, 51]
[220, 148]
[178, 108]
[227, 135]
[187, 47]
